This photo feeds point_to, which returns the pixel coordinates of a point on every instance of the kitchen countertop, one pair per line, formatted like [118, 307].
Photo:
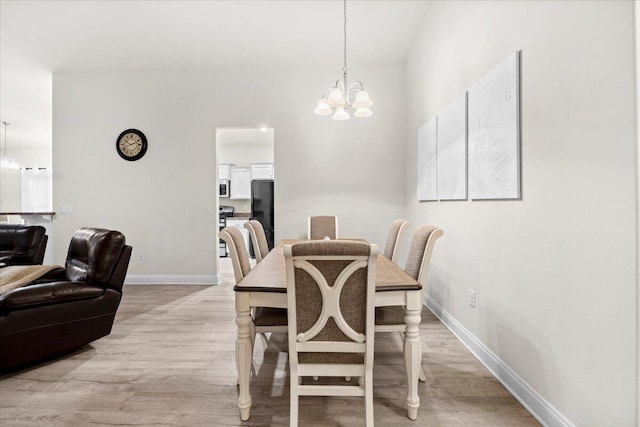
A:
[32, 213]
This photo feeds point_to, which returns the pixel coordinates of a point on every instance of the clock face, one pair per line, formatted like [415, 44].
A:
[131, 144]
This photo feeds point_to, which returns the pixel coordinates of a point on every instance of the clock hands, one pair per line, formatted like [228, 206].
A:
[131, 144]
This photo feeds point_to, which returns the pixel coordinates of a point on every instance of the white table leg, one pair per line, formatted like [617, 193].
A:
[412, 354]
[244, 353]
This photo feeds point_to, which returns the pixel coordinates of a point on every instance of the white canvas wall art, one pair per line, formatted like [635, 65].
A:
[494, 133]
[452, 151]
[427, 166]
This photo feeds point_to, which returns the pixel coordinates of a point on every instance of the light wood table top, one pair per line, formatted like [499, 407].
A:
[269, 275]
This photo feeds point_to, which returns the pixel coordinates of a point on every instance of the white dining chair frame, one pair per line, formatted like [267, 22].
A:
[422, 278]
[300, 342]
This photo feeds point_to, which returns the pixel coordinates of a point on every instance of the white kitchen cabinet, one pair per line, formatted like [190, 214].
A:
[239, 223]
[240, 183]
[224, 171]
[261, 170]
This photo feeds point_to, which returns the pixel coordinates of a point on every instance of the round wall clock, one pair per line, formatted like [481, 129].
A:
[131, 144]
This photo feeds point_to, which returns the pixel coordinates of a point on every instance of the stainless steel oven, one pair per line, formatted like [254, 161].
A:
[223, 191]
[225, 212]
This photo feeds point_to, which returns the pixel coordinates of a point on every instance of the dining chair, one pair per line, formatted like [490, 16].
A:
[258, 239]
[331, 299]
[265, 319]
[391, 318]
[320, 227]
[393, 238]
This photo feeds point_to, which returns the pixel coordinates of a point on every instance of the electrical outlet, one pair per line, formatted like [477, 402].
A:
[141, 256]
[472, 298]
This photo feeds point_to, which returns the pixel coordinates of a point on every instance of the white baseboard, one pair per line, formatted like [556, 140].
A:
[539, 407]
[171, 280]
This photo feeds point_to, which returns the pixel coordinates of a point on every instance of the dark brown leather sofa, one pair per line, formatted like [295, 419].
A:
[68, 308]
[22, 244]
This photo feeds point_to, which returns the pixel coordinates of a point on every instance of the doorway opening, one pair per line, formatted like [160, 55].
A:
[245, 182]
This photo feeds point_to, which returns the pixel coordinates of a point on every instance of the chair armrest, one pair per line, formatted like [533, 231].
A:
[48, 293]
[57, 275]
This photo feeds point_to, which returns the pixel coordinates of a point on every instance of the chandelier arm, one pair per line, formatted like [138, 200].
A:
[326, 92]
[353, 87]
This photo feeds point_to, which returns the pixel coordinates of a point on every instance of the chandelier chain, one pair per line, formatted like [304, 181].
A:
[345, 41]
[338, 98]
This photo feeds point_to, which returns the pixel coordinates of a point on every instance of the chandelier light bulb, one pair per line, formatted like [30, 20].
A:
[362, 100]
[363, 112]
[341, 114]
[323, 108]
[336, 98]
[9, 164]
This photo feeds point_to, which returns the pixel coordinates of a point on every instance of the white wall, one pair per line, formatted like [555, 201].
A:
[32, 157]
[554, 272]
[350, 169]
[10, 197]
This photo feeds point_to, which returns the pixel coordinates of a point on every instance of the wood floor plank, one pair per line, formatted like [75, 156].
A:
[170, 360]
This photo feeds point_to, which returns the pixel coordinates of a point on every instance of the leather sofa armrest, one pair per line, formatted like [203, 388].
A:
[56, 275]
[48, 293]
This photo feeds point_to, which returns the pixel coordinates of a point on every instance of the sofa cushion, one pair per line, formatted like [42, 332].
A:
[47, 293]
[21, 244]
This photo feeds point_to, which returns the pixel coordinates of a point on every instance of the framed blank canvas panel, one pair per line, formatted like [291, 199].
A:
[427, 172]
[452, 150]
[494, 133]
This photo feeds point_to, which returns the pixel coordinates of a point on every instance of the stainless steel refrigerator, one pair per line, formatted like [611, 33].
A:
[262, 207]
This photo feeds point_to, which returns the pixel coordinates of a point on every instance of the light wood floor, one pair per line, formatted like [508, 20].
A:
[170, 361]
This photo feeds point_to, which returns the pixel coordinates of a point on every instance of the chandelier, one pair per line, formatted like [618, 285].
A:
[336, 99]
[6, 163]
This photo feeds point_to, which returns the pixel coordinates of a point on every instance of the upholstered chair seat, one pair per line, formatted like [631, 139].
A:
[269, 316]
[391, 315]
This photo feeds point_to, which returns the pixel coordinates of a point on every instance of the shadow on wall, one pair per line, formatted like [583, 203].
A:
[510, 341]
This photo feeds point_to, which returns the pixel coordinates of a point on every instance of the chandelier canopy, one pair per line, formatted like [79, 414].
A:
[6, 163]
[337, 99]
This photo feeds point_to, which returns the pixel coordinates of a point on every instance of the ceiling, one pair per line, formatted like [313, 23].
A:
[38, 38]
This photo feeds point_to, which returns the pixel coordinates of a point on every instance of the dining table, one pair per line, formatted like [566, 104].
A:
[265, 286]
